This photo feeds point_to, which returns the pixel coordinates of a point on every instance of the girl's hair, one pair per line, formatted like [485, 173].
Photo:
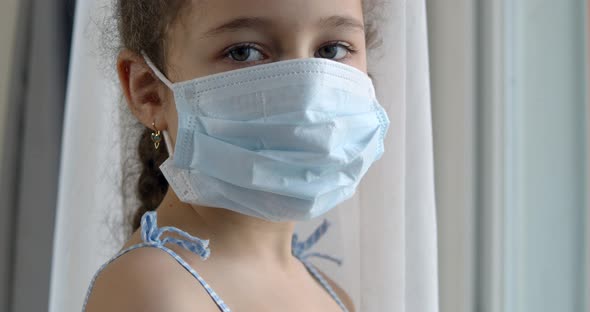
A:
[142, 26]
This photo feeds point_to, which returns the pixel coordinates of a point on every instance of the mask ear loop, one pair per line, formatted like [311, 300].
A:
[157, 72]
[168, 142]
[169, 84]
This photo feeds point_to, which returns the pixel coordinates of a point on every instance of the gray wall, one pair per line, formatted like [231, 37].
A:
[509, 115]
[546, 112]
[8, 16]
[452, 55]
[32, 113]
[8, 21]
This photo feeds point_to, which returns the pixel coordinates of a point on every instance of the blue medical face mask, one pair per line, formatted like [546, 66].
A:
[283, 141]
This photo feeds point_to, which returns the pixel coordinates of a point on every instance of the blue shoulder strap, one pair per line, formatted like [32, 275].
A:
[300, 249]
[151, 234]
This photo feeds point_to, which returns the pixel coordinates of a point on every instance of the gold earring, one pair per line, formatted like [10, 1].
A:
[156, 136]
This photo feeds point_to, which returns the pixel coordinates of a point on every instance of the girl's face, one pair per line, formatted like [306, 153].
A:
[212, 36]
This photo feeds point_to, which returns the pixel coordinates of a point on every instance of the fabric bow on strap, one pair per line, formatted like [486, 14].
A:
[299, 248]
[151, 234]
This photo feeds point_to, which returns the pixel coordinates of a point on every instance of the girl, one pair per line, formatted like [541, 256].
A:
[258, 114]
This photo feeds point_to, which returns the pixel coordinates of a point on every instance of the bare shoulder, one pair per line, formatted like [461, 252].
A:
[149, 280]
[339, 292]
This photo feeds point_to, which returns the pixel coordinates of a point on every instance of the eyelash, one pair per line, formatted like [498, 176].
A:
[227, 52]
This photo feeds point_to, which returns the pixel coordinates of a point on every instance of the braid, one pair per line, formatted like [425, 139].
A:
[151, 185]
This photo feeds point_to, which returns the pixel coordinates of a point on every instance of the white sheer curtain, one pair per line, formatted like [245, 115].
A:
[386, 234]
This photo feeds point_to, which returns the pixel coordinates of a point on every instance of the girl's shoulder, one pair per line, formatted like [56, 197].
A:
[146, 279]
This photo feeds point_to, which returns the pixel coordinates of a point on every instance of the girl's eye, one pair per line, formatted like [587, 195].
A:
[244, 53]
[334, 51]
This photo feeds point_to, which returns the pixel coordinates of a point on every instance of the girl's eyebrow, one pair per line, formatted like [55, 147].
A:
[261, 23]
[238, 24]
[342, 21]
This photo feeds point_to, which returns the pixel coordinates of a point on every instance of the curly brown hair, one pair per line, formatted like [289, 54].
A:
[142, 26]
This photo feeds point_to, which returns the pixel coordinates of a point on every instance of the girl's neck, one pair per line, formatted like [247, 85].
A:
[232, 235]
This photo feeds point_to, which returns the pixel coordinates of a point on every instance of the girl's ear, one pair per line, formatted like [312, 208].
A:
[145, 94]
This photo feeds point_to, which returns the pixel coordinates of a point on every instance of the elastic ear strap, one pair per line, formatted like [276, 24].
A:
[168, 142]
[156, 70]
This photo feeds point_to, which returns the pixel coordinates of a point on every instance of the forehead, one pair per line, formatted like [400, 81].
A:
[289, 15]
